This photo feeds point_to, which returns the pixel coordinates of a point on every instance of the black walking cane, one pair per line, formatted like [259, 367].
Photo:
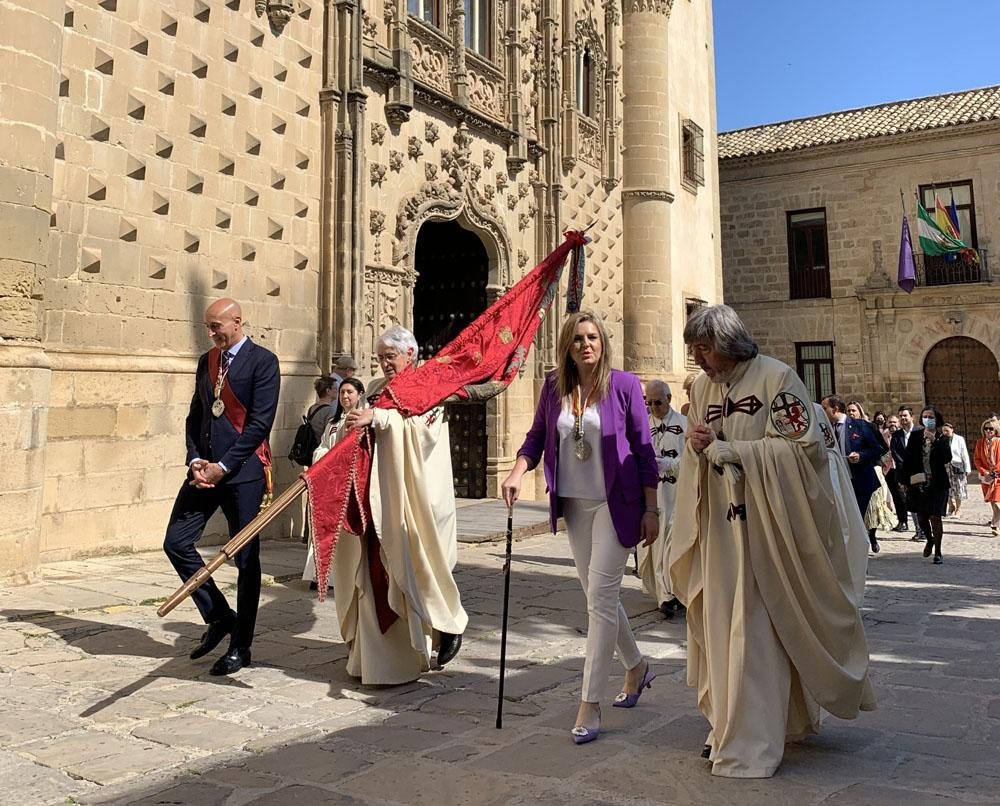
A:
[506, 601]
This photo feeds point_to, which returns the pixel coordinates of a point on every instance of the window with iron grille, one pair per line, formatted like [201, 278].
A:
[947, 269]
[693, 152]
[691, 304]
[814, 363]
[585, 82]
[478, 18]
[808, 256]
[427, 10]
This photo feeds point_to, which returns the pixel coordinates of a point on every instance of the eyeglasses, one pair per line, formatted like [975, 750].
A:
[654, 402]
[988, 429]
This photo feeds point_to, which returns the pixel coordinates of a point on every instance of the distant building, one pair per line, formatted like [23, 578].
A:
[811, 217]
[338, 166]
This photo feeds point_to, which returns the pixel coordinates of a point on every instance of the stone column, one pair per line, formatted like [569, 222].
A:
[30, 55]
[646, 198]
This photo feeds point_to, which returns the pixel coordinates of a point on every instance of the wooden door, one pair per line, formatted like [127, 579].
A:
[450, 292]
[962, 379]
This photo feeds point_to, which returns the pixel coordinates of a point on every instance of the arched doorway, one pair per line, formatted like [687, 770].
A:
[962, 378]
[453, 270]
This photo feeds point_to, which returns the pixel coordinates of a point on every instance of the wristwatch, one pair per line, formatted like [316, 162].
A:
[654, 510]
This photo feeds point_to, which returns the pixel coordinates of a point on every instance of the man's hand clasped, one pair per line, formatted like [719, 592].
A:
[700, 437]
[205, 475]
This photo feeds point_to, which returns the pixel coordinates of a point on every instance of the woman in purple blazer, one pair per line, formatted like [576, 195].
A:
[592, 428]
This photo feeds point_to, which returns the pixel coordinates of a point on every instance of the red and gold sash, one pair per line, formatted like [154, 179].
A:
[236, 413]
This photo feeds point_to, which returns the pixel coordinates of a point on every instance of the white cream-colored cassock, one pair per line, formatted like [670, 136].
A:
[851, 522]
[759, 559]
[413, 511]
[668, 445]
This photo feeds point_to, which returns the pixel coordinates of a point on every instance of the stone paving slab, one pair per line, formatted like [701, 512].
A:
[102, 704]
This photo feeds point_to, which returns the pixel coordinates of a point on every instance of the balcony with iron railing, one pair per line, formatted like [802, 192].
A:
[942, 271]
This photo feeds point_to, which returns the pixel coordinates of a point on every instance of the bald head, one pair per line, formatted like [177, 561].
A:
[224, 320]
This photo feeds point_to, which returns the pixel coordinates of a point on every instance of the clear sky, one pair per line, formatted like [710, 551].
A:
[782, 59]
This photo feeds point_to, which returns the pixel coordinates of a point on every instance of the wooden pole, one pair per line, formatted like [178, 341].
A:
[232, 548]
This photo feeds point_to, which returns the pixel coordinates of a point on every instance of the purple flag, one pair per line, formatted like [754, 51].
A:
[907, 277]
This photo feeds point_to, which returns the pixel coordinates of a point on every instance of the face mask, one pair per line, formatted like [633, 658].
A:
[930, 423]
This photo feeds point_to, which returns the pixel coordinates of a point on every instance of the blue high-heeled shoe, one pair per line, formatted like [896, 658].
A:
[624, 700]
[582, 735]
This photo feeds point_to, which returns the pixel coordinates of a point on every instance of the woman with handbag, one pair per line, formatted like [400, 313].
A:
[958, 470]
[988, 467]
[591, 426]
[925, 472]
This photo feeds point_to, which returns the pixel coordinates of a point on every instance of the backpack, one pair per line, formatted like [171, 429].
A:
[305, 441]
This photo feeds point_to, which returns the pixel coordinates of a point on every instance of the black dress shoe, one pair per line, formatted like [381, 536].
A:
[217, 630]
[937, 559]
[232, 661]
[875, 546]
[901, 527]
[927, 550]
[448, 646]
[707, 752]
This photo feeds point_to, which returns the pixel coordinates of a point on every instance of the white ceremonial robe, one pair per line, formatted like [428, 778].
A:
[668, 446]
[759, 559]
[413, 512]
[851, 524]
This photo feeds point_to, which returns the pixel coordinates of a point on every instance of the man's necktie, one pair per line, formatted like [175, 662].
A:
[226, 358]
[840, 436]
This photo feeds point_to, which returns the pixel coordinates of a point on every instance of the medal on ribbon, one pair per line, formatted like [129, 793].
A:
[581, 449]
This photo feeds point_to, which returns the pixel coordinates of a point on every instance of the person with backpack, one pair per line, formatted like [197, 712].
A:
[314, 422]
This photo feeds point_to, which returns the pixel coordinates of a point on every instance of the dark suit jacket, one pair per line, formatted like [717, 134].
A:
[897, 447]
[254, 379]
[861, 437]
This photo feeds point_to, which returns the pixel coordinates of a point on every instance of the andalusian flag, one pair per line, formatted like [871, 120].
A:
[937, 238]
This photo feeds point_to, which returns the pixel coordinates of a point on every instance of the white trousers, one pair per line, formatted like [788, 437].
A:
[600, 563]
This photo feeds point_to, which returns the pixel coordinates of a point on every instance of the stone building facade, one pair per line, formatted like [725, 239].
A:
[337, 166]
[811, 220]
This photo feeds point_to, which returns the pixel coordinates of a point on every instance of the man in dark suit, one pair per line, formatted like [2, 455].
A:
[232, 410]
[897, 447]
[863, 447]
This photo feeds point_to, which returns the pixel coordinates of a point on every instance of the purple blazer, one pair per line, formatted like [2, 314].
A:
[626, 450]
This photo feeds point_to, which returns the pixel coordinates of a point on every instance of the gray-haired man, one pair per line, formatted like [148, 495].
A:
[758, 557]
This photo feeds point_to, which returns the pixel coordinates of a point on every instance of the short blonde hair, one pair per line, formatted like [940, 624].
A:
[567, 375]
[992, 422]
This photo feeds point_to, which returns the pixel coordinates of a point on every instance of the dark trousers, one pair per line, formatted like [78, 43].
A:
[932, 528]
[240, 503]
[898, 498]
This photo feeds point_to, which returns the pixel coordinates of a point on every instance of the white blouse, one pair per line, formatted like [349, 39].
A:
[577, 478]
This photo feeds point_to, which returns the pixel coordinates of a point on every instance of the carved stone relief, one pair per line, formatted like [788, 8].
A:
[431, 57]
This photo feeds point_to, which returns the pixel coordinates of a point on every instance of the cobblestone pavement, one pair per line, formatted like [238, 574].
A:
[102, 705]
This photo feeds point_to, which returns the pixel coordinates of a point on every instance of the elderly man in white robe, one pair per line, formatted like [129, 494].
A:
[759, 557]
[392, 608]
[667, 428]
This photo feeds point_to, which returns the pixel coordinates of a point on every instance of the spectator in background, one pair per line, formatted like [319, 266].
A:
[893, 477]
[925, 469]
[897, 447]
[686, 386]
[350, 396]
[958, 470]
[857, 411]
[988, 467]
[881, 422]
[321, 412]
